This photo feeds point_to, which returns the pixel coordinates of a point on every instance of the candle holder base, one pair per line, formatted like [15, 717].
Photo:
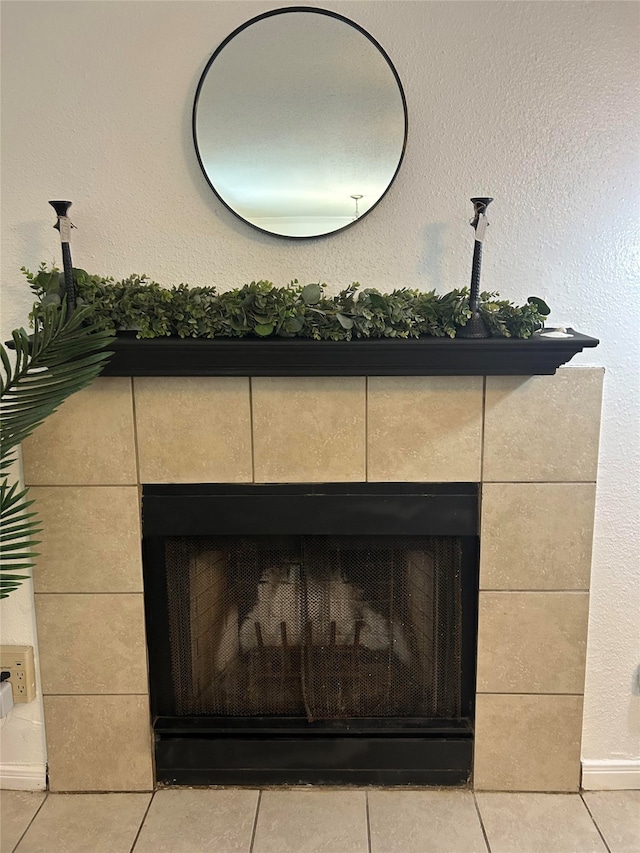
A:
[475, 328]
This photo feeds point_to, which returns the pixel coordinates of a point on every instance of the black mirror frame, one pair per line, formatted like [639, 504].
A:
[223, 44]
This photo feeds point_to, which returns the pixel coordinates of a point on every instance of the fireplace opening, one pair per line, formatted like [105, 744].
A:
[319, 634]
[319, 627]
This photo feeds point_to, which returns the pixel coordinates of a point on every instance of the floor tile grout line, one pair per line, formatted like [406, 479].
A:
[595, 823]
[516, 693]
[136, 450]
[130, 485]
[69, 695]
[540, 482]
[126, 485]
[252, 431]
[255, 822]
[141, 592]
[92, 592]
[368, 819]
[28, 826]
[366, 429]
[482, 429]
[482, 827]
[144, 817]
[509, 591]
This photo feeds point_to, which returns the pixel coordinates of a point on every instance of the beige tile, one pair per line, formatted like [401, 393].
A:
[536, 535]
[424, 428]
[424, 822]
[538, 823]
[17, 809]
[617, 814]
[308, 429]
[532, 642]
[90, 539]
[98, 743]
[311, 822]
[193, 429]
[92, 643]
[527, 743]
[543, 428]
[79, 823]
[188, 821]
[88, 441]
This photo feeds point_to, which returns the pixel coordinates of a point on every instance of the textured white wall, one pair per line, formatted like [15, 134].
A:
[533, 103]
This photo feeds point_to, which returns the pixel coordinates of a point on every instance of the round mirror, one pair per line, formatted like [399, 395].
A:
[300, 122]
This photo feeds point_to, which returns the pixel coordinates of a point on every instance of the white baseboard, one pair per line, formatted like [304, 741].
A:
[23, 777]
[611, 775]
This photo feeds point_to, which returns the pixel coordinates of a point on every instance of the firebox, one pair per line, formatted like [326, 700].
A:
[319, 634]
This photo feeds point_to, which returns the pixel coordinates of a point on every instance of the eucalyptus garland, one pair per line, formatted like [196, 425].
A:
[261, 309]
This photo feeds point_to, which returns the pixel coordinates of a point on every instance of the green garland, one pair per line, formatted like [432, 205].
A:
[261, 309]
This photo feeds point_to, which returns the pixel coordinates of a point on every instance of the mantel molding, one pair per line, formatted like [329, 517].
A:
[173, 356]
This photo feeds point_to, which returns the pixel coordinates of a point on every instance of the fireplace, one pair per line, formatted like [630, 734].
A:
[313, 633]
[530, 442]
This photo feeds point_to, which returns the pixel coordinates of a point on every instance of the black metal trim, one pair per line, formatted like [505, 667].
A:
[437, 509]
[156, 607]
[385, 56]
[325, 761]
[470, 606]
[287, 727]
[173, 356]
[356, 488]
[267, 778]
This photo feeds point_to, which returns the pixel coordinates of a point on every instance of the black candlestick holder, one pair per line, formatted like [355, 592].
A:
[475, 327]
[64, 226]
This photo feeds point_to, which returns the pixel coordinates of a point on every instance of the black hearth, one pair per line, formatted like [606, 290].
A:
[312, 634]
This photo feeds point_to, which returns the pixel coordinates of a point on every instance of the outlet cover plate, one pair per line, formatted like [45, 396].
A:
[20, 663]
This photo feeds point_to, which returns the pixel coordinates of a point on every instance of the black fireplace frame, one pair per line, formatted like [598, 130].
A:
[193, 750]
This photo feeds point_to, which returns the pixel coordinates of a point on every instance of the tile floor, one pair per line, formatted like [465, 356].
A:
[311, 821]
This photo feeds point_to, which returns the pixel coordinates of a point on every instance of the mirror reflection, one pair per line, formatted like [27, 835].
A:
[300, 122]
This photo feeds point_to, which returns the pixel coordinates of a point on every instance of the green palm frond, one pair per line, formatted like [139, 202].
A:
[62, 357]
[16, 540]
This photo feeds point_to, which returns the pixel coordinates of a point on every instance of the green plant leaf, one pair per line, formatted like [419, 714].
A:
[264, 329]
[345, 322]
[293, 324]
[378, 301]
[540, 304]
[311, 294]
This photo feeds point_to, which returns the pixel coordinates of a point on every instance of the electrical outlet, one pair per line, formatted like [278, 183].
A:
[18, 660]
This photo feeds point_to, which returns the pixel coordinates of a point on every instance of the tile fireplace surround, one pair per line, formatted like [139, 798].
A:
[531, 442]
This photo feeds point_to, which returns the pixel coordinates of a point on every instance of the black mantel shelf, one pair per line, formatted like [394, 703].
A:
[173, 356]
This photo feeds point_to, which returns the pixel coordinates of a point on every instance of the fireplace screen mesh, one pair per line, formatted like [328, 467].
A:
[322, 627]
